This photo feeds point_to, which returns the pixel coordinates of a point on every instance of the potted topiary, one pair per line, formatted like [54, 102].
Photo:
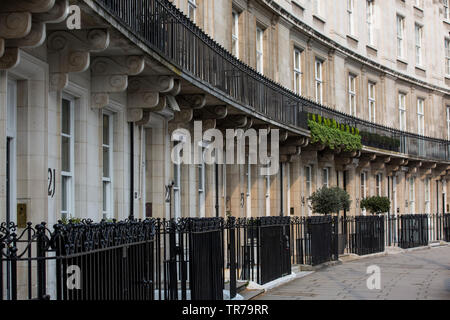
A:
[376, 204]
[331, 200]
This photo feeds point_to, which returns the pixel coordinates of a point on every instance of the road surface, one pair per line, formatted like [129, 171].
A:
[420, 274]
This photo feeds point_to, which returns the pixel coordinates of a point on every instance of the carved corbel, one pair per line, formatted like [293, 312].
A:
[110, 75]
[56, 14]
[423, 172]
[35, 37]
[283, 135]
[378, 165]
[296, 141]
[326, 156]
[390, 168]
[368, 157]
[194, 101]
[249, 123]
[342, 161]
[184, 116]
[211, 112]
[69, 52]
[15, 24]
[315, 147]
[290, 150]
[234, 121]
[10, 58]
[144, 92]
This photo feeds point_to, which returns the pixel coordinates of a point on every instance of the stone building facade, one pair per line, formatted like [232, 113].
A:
[87, 115]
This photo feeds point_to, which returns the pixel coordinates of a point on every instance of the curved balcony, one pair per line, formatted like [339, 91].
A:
[166, 30]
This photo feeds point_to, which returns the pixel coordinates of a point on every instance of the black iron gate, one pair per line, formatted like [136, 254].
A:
[322, 239]
[275, 252]
[368, 235]
[206, 259]
[413, 230]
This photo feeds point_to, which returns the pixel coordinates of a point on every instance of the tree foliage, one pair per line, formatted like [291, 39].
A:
[376, 204]
[328, 200]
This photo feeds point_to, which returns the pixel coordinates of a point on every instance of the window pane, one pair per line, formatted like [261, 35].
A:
[106, 129]
[65, 116]
[106, 158]
[65, 154]
[64, 193]
[105, 196]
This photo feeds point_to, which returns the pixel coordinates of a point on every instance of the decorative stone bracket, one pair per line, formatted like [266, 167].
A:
[70, 52]
[150, 94]
[110, 75]
[23, 25]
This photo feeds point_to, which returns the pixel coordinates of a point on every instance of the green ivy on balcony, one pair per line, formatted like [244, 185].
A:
[333, 134]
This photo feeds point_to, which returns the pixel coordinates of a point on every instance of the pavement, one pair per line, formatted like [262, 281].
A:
[422, 274]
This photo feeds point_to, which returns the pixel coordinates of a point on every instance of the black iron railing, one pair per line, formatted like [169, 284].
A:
[166, 30]
[362, 235]
[189, 258]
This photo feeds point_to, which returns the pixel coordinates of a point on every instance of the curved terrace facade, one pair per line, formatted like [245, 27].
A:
[88, 114]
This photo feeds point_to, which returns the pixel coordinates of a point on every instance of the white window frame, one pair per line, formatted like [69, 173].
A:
[418, 30]
[412, 195]
[201, 183]
[400, 36]
[11, 133]
[418, 3]
[192, 7]
[378, 184]
[298, 74]
[370, 16]
[235, 33]
[318, 70]
[267, 178]
[109, 212]
[363, 188]
[352, 94]
[325, 177]
[259, 50]
[420, 116]
[448, 122]
[351, 17]
[427, 183]
[447, 56]
[402, 111]
[248, 174]
[308, 187]
[371, 89]
[69, 175]
[446, 10]
[177, 182]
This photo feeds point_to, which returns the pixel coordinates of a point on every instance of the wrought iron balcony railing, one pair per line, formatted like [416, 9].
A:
[166, 30]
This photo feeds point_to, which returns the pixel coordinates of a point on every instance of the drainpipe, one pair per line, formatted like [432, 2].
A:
[131, 215]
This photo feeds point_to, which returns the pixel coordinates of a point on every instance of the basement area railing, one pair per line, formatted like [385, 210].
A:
[166, 30]
[189, 258]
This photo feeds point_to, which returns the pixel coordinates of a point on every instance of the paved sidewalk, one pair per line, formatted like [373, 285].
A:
[419, 274]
